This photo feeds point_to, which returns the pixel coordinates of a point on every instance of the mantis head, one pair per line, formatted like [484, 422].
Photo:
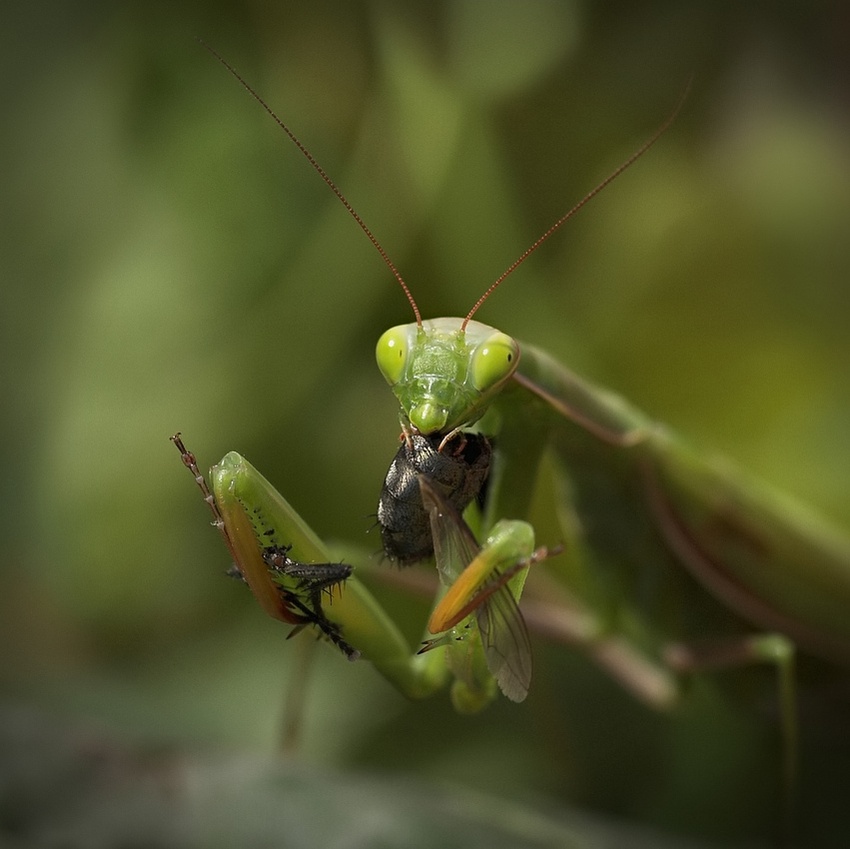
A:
[446, 371]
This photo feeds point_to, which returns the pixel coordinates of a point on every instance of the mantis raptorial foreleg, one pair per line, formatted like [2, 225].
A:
[290, 579]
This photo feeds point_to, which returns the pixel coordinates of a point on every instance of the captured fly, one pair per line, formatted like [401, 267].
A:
[458, 472]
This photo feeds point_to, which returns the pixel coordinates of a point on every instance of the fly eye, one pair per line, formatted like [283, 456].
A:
[493, 361]
[392, 353]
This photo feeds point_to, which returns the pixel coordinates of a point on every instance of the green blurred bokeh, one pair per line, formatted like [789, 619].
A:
[171, 263]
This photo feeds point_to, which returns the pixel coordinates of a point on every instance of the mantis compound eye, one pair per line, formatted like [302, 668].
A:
[392, 352]
[493, 361]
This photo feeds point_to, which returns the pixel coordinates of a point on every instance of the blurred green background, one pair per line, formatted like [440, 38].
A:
[171, 263]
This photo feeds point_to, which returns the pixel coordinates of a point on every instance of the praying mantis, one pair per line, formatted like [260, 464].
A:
[634, 505]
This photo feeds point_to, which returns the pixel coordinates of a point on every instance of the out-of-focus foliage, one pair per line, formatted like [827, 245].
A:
[170, 262]
[81, 788]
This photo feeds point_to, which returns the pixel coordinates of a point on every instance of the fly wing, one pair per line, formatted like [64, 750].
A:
[506, 643]
[504, 636]
[454, 544]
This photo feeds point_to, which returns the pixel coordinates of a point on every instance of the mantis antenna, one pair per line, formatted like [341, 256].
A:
[571, 212]
[322, 173]
[379, 247]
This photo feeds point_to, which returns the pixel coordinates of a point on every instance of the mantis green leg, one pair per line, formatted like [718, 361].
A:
[761, 555]
[645, 504]
[250, 513]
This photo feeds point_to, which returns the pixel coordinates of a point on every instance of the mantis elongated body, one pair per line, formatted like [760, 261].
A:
[634, 504]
